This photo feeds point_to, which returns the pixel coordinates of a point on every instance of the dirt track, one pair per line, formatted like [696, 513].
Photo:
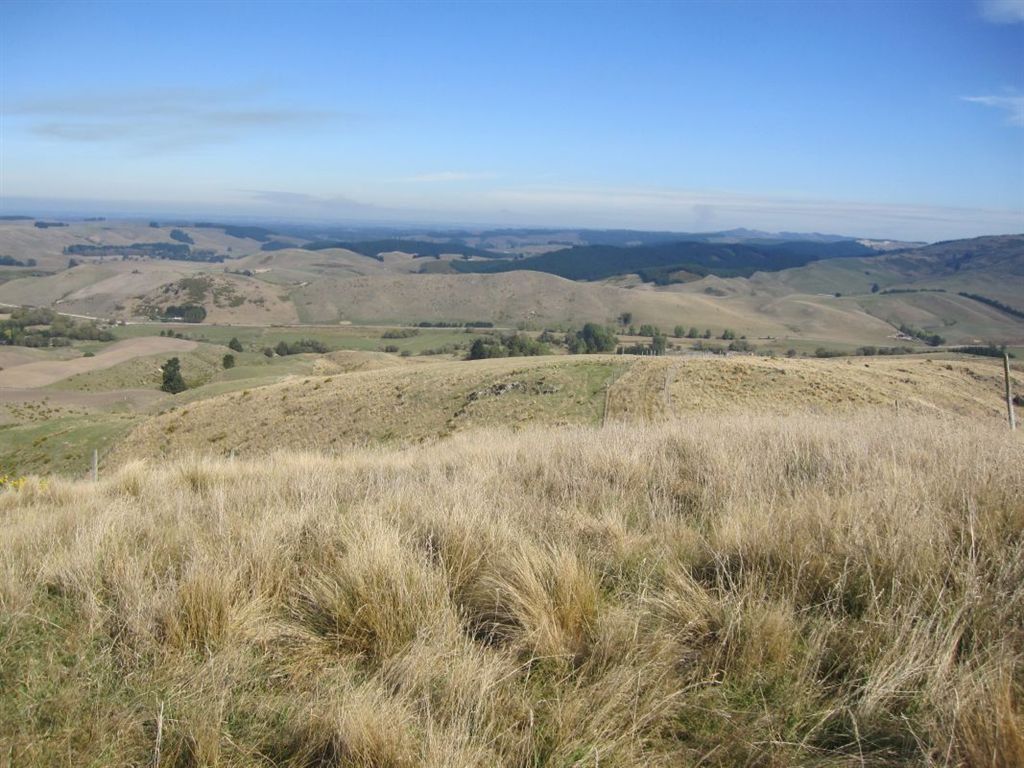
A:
[41, 374]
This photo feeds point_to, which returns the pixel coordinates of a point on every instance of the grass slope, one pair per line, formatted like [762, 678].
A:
[720, 591]
[399, 404]
[414, 403]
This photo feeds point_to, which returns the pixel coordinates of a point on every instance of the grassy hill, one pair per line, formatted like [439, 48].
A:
[411, 404]
[722, 590]
[290, 284]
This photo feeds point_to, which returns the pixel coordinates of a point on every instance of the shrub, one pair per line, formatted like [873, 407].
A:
[300, 347]
[514, 345]
[931, 339]
[235, 344]
[172, 380]
[188, 313]
[228, 361]
[592, 339]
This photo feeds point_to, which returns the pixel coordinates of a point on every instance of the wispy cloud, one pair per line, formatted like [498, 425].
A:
[1013, 105]
[162, 119]
[444, 176]
[1002, 11]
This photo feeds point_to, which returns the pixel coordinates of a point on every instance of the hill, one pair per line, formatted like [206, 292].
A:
[431, 400]
[720, 591]
[841, 301]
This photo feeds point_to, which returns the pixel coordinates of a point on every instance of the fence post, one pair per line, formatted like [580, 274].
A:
[1009, 396]
[95, 464]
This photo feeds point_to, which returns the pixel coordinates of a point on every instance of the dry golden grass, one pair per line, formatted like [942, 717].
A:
[402, 403]
[726, 590]
[432, 399]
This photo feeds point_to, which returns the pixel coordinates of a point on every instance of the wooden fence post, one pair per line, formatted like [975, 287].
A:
[95, 464]
[1009, 395]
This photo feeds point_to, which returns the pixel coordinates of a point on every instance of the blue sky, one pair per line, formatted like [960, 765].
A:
[880, 119]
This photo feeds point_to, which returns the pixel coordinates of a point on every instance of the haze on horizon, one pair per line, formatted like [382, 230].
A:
[901, 120]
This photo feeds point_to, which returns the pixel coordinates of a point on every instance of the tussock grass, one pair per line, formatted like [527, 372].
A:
[794, 590]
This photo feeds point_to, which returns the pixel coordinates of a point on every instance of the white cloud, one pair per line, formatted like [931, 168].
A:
[1002, 11]
[1014, 105]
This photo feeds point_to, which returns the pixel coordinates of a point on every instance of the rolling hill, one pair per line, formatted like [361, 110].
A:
[432, 400]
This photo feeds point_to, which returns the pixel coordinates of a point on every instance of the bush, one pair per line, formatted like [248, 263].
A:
[300, 347]
[515, 345]
[392, 348]
[235, 344]
[400, 333]
[172, 380]
[988, 351]
[228, 361]
[268, 352]
[592, 339]
[188, 313]
[931, 339]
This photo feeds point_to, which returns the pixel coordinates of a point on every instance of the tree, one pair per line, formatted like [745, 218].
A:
[659, 344]
[728, 334]
[874, 288]
[625, 318]
[268, 351]
[235, 344]
[228, 361]
[693, 333]
[707, 333]
[592, 339]
[173, 382]
[481, 350]
[679, 331]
